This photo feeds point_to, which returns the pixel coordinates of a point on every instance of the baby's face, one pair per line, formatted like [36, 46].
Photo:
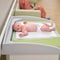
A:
[17, 27]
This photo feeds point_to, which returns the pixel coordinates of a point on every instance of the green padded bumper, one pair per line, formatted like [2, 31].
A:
[54, 41]
[22, 12]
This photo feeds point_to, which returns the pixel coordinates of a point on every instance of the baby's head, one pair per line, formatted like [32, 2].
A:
[17, 27]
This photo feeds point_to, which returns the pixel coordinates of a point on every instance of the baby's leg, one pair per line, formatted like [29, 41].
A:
[47, 28]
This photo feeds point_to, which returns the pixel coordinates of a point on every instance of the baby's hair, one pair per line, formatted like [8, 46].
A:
[13, 27]
[13, 30]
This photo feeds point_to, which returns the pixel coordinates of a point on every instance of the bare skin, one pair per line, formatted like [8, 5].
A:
[29, 27]
[47, 28]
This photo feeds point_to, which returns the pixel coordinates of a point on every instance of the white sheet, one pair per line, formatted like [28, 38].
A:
[39, 33]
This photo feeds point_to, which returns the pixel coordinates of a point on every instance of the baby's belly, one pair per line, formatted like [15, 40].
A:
[32, 28]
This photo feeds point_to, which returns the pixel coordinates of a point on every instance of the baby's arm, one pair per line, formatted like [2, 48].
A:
[24, 32]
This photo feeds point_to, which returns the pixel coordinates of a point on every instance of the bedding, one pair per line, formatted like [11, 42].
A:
[49, 38]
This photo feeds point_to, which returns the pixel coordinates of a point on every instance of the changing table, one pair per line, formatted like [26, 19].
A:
[11, 47]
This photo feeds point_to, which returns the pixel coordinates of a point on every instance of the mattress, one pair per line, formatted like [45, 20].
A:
[50, 38]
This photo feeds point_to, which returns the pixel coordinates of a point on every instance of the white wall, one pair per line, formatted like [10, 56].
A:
[4, 8]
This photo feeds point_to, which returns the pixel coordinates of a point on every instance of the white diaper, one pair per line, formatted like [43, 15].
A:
[39, 26]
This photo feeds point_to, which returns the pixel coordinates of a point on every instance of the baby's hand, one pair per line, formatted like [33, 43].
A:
[21, 35]
[24, 33]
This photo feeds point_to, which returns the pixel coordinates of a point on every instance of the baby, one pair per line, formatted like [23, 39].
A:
[25, 4]
[30, 27]
[24, 28]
